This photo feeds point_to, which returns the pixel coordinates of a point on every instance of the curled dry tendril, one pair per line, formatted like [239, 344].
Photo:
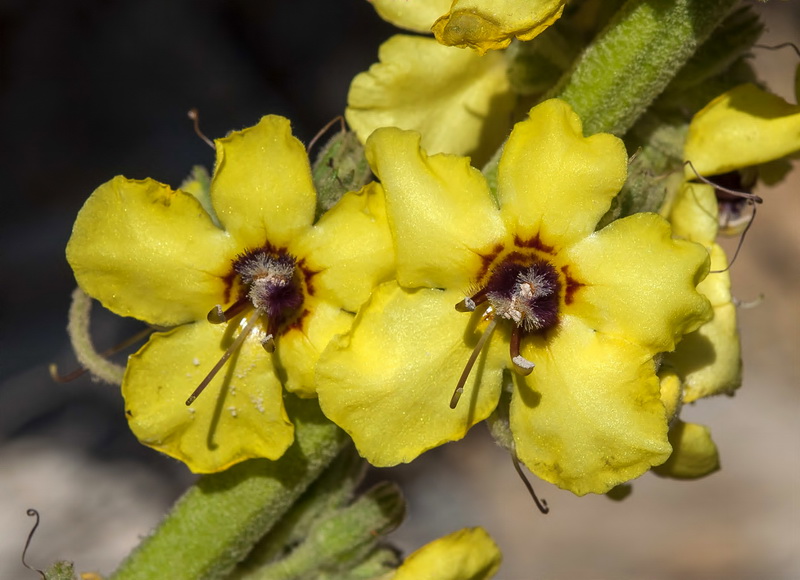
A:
[541, 504]
[33, 513]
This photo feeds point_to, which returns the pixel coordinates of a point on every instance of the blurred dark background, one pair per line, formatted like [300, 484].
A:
[94, 88]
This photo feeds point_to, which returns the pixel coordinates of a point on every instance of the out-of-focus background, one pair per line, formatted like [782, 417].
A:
[94, 88]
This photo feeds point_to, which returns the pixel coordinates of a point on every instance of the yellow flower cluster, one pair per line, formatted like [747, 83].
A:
[411, 305]
[257, 265]
[589, 309]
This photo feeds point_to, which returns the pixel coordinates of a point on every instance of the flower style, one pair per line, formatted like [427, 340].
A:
[255, 262]
[476, 24]
[579, 314]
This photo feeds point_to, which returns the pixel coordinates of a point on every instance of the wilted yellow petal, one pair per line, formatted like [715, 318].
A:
[147, 251]
[493, 24]
[553, 181]
[388, 382]
[468, 554]
[240, 415]
[262, 189]
[638, 283]
[589, 416]
[440, 210]
[742, 127]
[694, 452]
[459, 101]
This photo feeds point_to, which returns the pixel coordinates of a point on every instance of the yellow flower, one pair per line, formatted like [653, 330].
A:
[459, 101]
[747, 130]
[475, 24]
[256, 262]
[590, 309]
[468, 554]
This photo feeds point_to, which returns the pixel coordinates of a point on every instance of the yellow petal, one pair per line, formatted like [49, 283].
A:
[146, 251]
[239, 416]
[742, 127]
[695, 454]
[440, 210]
[487, 25]
[468, 554]
[350, 249]
[709, 359]
[388, 382]
[554, 182]
[416, 15]
[300, 347]
[459, 101]
[589, 416]
[694, 213]
[639, 284]
[262, 189]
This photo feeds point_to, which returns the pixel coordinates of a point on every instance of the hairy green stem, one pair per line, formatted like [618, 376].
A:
[80, 335]
[217, 522]
[634, 58]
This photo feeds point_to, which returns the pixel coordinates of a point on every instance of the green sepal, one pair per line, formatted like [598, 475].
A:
[62, 570]
[342, 541]
[380, 562]
[198, 184]
[333, 489]
[340, 167]
[658, 144]
[692, 100]
[534, 66]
